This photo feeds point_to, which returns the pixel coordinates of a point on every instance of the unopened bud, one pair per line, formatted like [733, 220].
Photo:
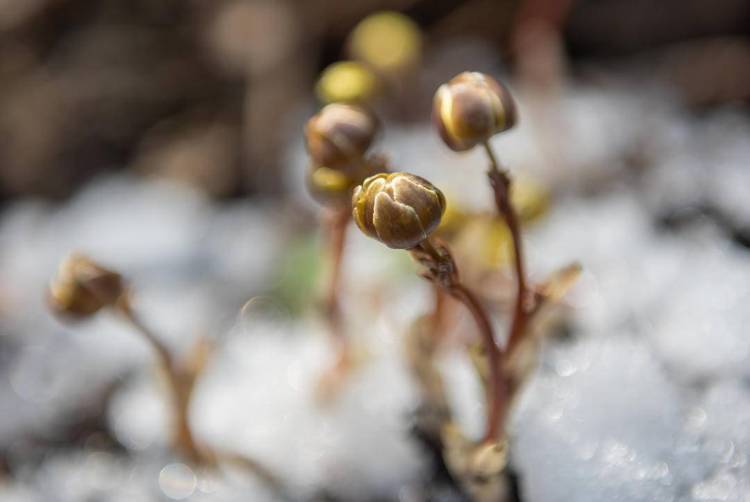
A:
[339, 135]
[331, 187]
[398, 209]
[387, 41]
[82, 287]
[470, 109]
[346, 82]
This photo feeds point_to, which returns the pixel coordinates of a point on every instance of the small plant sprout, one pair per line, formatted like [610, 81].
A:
[81, 289]
[337, 140]
[401, 210]
[467, 111]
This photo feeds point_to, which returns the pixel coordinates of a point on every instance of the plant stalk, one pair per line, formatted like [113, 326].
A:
[501, 182]
[183, 438]
[444, 274]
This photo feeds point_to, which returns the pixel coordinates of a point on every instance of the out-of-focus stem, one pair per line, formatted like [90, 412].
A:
[183, 438]
[180, 387]
[439, 312]
[337, 221]
[501, 182]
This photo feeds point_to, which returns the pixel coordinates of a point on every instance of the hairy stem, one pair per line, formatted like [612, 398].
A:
[501, 182]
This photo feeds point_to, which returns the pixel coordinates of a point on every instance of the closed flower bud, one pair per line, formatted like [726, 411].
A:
[398, 209]
[387, 41]
[331, 187]
[339, 135]
[470, 109]
[82, 287]
[346, 82]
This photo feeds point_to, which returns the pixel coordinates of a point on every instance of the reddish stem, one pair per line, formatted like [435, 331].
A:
[495, 385]
[336, 222]
[438, 314]
[446, 276]
[500, 181]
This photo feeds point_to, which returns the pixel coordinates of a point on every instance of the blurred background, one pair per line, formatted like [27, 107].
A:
[164, 139]
[210, 92]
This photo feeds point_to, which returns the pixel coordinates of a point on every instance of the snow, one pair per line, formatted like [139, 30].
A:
[646, 399]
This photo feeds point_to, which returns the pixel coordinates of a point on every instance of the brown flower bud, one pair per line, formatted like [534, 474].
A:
[339, 135]
[470, 109]
[398, 209]
[82, 287]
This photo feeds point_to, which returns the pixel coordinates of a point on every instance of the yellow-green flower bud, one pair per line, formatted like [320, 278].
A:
[82, 287]
[340, 134]
[331, 187]
[470, 109]
[398, 209]
[387, 41]
[346, 82]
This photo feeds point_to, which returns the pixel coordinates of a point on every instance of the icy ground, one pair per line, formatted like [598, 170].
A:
[646, 399]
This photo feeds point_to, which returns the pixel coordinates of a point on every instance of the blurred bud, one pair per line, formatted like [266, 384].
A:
[346, 82]
[470, 109]
[398, 209]
[485, 478]
[454, 219]
[339, 134]
[331, 187]
[489, 460]
[82, 287]
[387, 41]
[529, 198]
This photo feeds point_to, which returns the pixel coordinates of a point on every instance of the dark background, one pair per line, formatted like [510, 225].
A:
[209, 91]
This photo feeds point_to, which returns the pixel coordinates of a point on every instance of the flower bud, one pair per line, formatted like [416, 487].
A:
[346, 82]
[331, 187]
[82, 287]
[339, 135]
[470, 109]
[398, 209]
[387, 41]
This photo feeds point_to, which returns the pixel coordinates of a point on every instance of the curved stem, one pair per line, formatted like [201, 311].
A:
[180, 389]
[183, 436]
[495, 386]
[500, 182]
[443, 272]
